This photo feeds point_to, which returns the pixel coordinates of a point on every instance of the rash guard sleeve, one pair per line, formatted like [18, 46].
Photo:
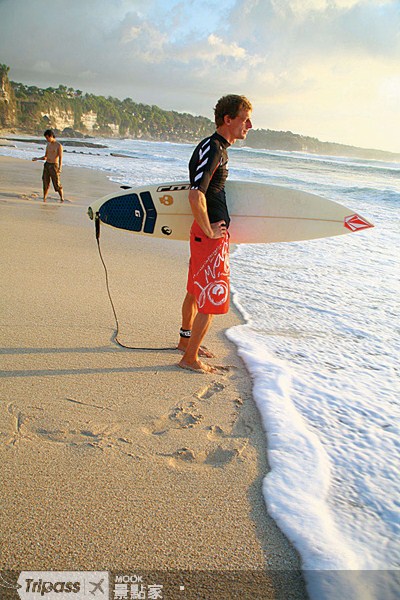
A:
[205, 160]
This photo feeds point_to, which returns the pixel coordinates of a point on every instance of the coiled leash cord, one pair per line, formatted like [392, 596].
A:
[116, 333]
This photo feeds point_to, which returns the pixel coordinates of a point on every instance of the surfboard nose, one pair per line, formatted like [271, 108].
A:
[357, 223]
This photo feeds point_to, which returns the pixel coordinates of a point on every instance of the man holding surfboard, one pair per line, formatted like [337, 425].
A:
[208, 277]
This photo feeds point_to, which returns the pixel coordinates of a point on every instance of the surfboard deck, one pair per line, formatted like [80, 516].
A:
[260, 213]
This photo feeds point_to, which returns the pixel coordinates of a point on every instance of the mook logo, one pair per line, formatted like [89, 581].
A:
[63, 585]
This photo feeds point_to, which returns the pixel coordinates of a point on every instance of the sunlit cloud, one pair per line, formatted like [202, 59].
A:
[327, 68]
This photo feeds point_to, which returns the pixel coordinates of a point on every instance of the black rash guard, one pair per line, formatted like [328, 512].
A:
[208, 172]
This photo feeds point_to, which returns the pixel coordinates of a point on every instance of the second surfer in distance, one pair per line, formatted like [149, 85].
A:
[53, 165]
[208, 288]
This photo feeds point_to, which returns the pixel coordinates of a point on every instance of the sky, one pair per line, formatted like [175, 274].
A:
[325, 68]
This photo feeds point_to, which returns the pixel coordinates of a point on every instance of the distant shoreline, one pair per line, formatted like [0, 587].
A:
[71, 113]
[324, 148]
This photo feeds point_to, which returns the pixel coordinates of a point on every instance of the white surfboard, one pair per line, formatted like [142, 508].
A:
[260, 213]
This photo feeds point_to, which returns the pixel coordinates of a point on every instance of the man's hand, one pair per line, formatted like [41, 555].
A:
[198, 204]
[219, 229]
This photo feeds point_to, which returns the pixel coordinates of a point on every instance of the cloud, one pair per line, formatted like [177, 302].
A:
[301, 61]
[326, 68]
[299, 28]
[223, 49]
[139, 40]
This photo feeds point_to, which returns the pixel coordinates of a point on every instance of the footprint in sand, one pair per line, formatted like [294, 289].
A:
[20, 428]
[31, 196]
[210, 390]
[215, 432]
[71, 437]
[180, 417]
[220, 456]
[37, 425]
[185, 454]
[100, 437]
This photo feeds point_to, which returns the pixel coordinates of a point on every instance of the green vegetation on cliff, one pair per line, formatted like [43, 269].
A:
[38, 108]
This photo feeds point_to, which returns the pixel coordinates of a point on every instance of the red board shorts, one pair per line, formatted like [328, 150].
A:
[208, 278]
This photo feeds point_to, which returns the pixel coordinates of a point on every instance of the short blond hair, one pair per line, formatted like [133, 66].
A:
[230, 105]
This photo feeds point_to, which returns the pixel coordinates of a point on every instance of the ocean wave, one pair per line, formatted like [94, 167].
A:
[342, 161]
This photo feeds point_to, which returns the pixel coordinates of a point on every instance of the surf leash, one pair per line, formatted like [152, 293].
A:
[116, 333]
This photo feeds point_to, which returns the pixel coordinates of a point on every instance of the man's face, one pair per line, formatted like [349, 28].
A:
[240, 125]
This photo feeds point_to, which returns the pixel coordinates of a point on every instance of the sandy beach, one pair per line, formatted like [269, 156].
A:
[116, 459]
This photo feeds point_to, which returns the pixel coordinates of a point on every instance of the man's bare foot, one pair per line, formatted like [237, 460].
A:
[198, 367]
[203, 351]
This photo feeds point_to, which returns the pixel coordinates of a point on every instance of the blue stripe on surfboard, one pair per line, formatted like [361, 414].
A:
[151, 213]
[126, 212]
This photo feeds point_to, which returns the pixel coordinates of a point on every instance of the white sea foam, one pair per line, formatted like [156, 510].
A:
[298, 484]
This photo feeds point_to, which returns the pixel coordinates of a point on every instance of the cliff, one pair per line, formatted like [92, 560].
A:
[294, 142]
[64, 108]
[7, 100]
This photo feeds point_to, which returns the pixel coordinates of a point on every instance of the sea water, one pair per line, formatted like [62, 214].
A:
[321, 342]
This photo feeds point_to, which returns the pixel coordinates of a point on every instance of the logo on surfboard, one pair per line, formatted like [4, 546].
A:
[173, 187]
[356, 223]
[167, 200]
